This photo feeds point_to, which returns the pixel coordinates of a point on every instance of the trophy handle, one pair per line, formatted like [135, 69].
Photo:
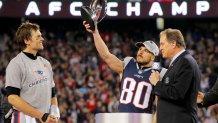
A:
[95, 13]
[86, 13]
[99, 8]
[104, 12]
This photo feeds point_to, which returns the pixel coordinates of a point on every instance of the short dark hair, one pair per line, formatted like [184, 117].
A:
[174, 35]
[24, 32]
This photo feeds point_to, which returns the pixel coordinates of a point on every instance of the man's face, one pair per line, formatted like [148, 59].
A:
[166, 47]
[36, 41]
[144, 56]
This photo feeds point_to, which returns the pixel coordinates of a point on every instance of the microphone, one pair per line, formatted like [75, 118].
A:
[162, 73]
[156, 65]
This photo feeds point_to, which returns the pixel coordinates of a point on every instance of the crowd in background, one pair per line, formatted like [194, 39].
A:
[86, 85]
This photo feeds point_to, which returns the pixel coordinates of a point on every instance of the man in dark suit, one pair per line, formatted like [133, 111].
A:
[177, 91]
[209, 98]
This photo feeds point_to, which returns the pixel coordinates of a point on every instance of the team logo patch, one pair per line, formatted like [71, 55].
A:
[40, 72]
[140, 71]
[167, 80]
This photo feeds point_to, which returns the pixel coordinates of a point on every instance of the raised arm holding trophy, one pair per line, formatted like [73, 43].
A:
[94, 13]
[136, 103]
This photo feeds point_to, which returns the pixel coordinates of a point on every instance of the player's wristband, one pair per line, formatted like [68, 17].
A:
[45, 117]
[54, 110]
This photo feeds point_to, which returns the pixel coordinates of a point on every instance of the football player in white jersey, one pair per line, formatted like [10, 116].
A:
[29, 80]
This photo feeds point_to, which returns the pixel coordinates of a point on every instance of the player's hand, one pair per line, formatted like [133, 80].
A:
[200, 97]
[154, 77]
[50, 119]
[87, 26]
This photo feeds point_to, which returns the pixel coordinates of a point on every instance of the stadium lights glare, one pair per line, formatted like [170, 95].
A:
[0, 4]
[160, 23]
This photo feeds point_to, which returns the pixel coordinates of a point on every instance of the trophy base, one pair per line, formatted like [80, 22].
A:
[86, 13]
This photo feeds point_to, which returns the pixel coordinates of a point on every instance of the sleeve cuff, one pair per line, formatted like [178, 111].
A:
[12, 90]
[157, 88]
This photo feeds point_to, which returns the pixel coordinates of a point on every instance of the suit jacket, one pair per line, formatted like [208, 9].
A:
[177, 92]
[211, 97]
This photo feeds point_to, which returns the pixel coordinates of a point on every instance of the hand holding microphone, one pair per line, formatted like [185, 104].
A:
[154, 77]
[157, 71]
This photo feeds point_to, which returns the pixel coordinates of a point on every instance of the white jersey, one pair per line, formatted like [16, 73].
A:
[34, 78]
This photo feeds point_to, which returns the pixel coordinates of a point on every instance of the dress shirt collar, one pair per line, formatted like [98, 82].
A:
[176, 56]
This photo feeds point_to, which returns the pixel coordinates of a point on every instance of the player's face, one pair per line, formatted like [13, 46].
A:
[144, 56]
[36, 41]
[166, 48]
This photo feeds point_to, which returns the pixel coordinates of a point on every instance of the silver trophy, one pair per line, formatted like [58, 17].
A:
[94, 13]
